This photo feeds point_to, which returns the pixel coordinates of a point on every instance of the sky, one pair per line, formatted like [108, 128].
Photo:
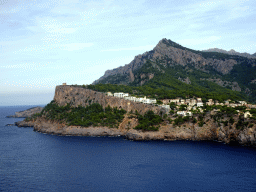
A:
[46, 43]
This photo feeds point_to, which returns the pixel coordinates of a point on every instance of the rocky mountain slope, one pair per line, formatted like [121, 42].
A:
[196, 69]
[231, 52]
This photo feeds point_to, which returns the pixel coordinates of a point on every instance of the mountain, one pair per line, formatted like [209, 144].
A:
[231, 52]
[171, 70]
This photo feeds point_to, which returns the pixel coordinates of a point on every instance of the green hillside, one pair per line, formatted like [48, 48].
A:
[164, 78]
[165, 83]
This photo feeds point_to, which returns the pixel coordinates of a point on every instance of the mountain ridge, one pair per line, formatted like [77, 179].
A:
[231, 52]
[232, 72]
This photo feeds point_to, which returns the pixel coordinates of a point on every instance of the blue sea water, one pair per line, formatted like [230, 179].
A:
[32, 161]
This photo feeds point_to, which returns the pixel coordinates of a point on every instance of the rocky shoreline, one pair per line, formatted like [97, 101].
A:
[26, 113]
[168, 132]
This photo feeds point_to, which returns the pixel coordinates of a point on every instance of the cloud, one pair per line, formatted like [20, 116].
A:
[139, 48]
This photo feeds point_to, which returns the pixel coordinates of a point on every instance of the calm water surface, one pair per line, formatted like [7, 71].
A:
[32, 161]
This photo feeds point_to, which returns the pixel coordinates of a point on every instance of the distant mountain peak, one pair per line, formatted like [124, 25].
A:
[231, 52]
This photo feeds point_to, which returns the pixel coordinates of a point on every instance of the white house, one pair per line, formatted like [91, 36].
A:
[165, 106]
[192, 102]
[146, 101]
[121, 94]
[130, 98]
[247, 114]
[174, 101]
[210, 102]
[152, 100]
[243, 102]
[184, 113]
[199, 104]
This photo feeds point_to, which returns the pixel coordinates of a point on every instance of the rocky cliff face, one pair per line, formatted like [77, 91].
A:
[26, 113]
[211, 130]
[186, 131]
[184, 57]
[80, 96]
[233, 85]
[167, 48]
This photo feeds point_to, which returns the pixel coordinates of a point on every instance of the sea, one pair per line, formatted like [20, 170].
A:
[33, 161]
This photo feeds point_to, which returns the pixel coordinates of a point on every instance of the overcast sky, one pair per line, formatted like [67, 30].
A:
[45, 43]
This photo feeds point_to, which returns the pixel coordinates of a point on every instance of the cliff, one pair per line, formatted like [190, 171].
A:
[210, 130]
[26, 113]
[187, 131]
[80, 96]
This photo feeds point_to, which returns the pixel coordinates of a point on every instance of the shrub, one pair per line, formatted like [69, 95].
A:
[84, 116]
[201, 123]
[148, 121]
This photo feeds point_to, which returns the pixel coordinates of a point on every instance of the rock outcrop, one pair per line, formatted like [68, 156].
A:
[233, 85]
[187, 131]
[26, 113]
[167, 48]
[80, 96]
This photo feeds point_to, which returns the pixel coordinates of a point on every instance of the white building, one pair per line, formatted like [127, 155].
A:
[165, 106]
[247, 114]
[121, 95]
[146, 101]
[243, 102]
[210, 102]
[152, 100]
[192, 102]
[184, 113]
[199, 104]
[130, 98]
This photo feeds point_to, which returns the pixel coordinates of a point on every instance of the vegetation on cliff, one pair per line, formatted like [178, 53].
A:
[93, 115]
[166, 84]
[149, 121]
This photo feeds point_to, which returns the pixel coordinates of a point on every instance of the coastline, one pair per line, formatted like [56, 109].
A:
[245, 138]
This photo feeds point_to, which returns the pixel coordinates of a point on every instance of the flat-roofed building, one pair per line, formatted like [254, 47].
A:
[210, 102]
[121, 94]
[152, 100]
[184, 113]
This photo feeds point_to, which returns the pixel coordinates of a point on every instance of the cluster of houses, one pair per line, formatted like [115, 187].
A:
[190, 102]
[198, 102]
[144, 100]
[195, 103]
